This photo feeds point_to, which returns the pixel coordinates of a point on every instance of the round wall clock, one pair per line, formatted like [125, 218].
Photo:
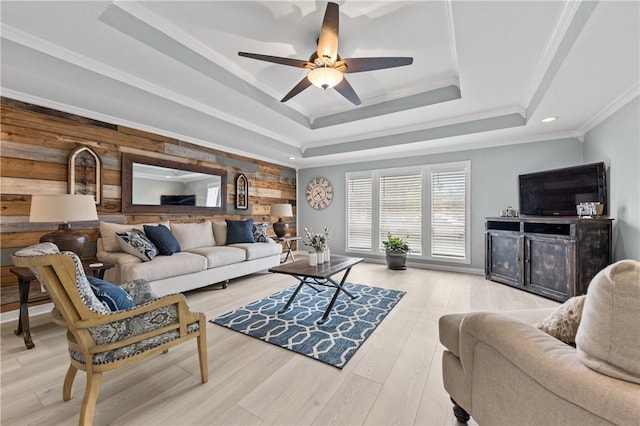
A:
[319, 193]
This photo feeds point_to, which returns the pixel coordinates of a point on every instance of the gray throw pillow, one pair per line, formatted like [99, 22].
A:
[564, 320]
[260, 232]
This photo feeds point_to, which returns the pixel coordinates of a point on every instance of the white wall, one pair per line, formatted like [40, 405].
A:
[616, 141]
[494, 185]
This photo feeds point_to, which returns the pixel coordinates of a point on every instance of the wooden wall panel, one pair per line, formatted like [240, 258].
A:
[35, 144]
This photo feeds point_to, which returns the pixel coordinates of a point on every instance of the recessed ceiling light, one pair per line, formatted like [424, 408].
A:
[549, 119]
[292, 158]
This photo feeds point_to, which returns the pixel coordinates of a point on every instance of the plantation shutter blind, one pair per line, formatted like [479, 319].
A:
[448, 213]
[401, 209]
[360, 210]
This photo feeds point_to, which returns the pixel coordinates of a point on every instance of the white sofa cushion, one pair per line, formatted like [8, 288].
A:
[220, 256]
[108, 233]
[608, 339]
[164, 267]
[259, 250]
[194, 234]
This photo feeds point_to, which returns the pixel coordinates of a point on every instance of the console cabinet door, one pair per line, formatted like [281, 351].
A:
[503, 261]
[549, 264]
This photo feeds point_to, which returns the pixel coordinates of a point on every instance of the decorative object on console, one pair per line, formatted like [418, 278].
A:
[396, 250]
[281, 210]
[242, 192]
[64, 208]
[84, 159]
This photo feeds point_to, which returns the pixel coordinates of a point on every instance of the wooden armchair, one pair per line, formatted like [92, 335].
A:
[100, 340]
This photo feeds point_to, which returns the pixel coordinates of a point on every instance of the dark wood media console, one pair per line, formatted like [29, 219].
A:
[555, 257]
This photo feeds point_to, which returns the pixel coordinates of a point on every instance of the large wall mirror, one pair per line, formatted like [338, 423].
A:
[161, 186]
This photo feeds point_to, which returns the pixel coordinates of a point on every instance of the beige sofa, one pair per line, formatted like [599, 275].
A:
[501, 369]
[204, 259]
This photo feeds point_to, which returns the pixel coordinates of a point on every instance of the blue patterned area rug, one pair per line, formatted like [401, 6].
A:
[334, 342]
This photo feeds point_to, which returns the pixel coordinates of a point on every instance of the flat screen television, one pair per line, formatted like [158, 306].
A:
[557, 192]
[178, 200]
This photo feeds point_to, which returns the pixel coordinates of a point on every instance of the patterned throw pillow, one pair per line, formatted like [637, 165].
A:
[564, 321]
[260, 232]
[111, 296]
[136, 243]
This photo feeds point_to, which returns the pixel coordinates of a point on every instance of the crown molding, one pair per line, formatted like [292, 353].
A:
[624, 98]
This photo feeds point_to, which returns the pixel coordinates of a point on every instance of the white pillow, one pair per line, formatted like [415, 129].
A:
[193, 235]
[220, 232]
[608, 339]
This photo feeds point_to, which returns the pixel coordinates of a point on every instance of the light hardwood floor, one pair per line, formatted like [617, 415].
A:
[395, 377]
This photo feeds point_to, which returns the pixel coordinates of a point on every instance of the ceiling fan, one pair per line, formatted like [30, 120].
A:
[326, 66]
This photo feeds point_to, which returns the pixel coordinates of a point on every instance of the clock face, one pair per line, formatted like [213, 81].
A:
[319, 193]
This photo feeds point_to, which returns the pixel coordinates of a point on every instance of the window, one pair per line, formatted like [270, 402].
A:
[359, 216]
[429, 204]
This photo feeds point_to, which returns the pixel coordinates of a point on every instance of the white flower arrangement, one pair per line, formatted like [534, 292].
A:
[318, 240]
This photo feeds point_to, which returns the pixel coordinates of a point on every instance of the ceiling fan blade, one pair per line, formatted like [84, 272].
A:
[328, 40]
[370, 64]
[304, 83]
[345, 89]
[299, 63]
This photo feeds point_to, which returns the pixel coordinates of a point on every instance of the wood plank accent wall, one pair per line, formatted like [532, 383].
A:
[35, 145]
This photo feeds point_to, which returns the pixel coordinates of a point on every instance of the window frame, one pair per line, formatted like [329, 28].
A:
[426, 172]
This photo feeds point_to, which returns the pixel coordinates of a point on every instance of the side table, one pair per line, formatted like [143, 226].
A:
[25, 276]
[288, 240]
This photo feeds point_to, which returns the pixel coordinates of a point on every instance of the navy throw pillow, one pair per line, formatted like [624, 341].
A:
[111, 296]
[240, 231]
[163, 239]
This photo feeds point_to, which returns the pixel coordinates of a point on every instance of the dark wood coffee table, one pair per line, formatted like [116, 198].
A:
[319, 275]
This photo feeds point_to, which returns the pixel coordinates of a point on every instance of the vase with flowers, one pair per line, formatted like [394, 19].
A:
[317, 241]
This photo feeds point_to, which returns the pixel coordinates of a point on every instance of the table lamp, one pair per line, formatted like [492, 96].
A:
[282, 210]
[64, 208]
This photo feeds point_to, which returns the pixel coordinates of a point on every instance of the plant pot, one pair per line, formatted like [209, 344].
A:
[396, 260]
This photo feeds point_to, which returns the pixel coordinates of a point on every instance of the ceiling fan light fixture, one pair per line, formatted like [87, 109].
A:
[325, 77]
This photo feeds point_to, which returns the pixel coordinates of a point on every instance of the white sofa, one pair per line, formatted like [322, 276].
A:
[204, 259]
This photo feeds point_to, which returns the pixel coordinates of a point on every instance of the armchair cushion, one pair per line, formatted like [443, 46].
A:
[608, 340]
[564, 320]
[112, 296]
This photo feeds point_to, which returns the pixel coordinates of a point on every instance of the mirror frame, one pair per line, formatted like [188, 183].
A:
[127, 186]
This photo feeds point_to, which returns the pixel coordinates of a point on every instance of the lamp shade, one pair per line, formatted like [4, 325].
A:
[62, 208]
[281, 210]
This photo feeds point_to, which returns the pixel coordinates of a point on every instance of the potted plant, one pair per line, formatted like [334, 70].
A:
[396, 250]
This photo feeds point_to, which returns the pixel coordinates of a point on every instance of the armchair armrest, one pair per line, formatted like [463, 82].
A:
[550, 362]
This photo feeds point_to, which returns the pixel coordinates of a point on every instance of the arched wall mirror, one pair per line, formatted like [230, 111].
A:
[152, 185]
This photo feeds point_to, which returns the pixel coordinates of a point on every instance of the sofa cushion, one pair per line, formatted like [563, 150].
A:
[564, 320]
[162, 237]
[108, 233]
[259, 250]
[239, 231]
[608, 340]
[194, 234]
[165, 267]
[220, 256]
[220, 232]
[260, 232]
[111, 296]
[136, 243]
